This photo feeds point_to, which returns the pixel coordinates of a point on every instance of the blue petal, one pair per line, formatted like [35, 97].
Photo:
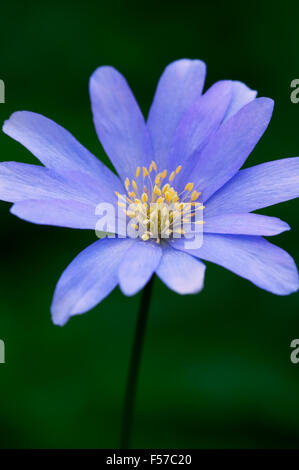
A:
[118, 121]
[54, 146]
[257, 187]
[241, 95]
[230, 146]
[60, 213]
[199, 123]
[19, 181]
[265, 265]
[138, 265]
[179, 86]
[181, 272]
[245, 224]
[88, 279]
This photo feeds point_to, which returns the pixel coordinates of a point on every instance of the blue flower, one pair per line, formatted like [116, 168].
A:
[190, 151]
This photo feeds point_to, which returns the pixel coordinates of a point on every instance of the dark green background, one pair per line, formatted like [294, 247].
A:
[216, 370]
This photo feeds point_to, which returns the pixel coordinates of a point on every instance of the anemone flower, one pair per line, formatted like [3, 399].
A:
[184, 161]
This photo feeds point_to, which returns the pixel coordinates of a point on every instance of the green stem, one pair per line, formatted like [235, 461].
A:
[129, 402]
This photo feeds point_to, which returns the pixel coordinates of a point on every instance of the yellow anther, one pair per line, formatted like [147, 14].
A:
[168, 196]
[144, 197]
[164, 174]
[160, 200]
[151, 168]
[158, 179]
[116, 193]
[145, 237]
[154, 165]
[135, 226]
[165, 188]
[132, 194]
[121, 204]
[138, 171]
[127, 183]
[145, 172]
[178, 169]
[189, 187]
[157, 191]
[172, 175]
[194, 195]
[131, 214]
[134, 185]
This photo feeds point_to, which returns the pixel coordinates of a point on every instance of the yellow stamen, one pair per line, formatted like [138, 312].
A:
[194, 195]
[189, 187]
[172, 175]
[168, 196]
[127, 184]
[158, 179]
[156, 209]
[131, 214]
[157, 191]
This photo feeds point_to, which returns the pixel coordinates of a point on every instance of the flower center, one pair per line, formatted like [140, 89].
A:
[155, 208]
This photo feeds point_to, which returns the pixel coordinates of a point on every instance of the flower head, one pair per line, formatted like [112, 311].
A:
[181, 167]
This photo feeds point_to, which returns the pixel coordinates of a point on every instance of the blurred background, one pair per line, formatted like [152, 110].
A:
[216, 370]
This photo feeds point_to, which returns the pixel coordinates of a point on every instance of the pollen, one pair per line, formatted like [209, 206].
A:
[156, 209]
